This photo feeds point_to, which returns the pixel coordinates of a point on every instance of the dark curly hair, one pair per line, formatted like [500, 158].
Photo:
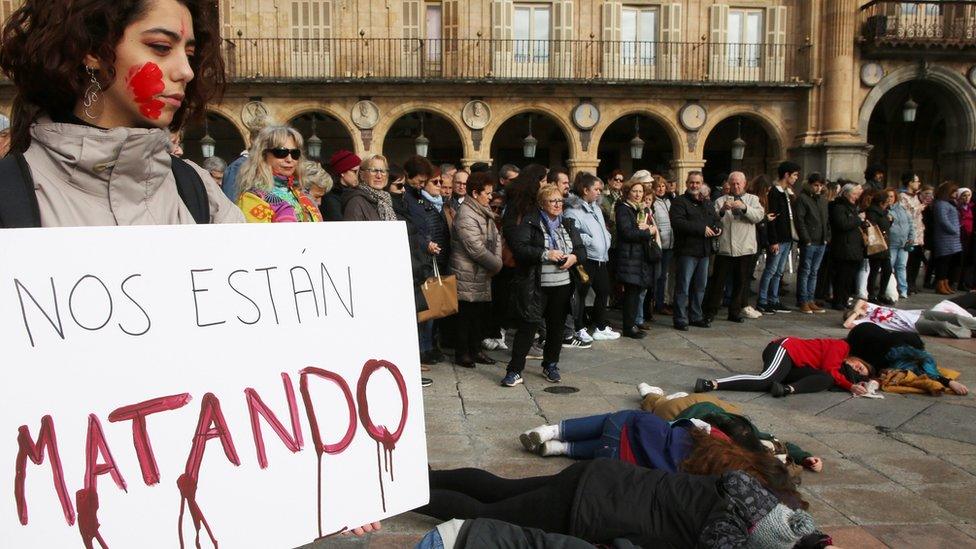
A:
[44, 43]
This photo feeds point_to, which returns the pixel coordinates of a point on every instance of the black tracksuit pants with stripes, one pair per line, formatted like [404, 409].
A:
[779, 367]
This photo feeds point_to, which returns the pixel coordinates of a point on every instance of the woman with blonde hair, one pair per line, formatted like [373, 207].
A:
[369, 201]
[270, 181]
[635, 231]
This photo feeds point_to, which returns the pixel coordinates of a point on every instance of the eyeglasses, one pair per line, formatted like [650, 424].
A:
[378, 171]
[554, 201]
[398, 186]
[618, 179]
[281, 152]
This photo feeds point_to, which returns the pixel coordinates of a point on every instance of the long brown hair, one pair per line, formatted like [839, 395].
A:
[44, 43]
[713, 456]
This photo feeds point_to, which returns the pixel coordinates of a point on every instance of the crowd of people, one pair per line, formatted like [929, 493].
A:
[539, 258]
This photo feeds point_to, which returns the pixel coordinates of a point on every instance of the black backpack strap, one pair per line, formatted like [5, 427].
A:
[191, 189]
[18, 207]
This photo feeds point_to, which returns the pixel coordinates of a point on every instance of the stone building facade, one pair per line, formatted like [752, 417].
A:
[823, 82]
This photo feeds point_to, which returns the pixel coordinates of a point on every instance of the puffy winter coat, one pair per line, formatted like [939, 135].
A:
[72, 190]
[738, 236]
[632, 262]
[810, 215]
[847, 243]
[662, 218]
[881, 218]
[902, 231]
[689, 217]
[945, 233]
[527, 240]
[476, 251]
[592, 227]
[431, 224]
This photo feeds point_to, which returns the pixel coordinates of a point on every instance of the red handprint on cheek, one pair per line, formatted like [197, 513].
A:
[146, 82]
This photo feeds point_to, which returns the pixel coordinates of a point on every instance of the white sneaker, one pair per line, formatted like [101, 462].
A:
[679, 394]
[489, 344]
[750, 312]
[605, 334]
[501, 344]
[584, 336]
[644, 389]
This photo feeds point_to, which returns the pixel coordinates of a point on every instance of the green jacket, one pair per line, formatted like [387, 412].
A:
[702, 409]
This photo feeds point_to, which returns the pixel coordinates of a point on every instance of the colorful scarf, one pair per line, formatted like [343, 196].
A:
[286, 189]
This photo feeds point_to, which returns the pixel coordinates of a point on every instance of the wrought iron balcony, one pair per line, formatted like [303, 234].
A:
[949, 25]
[487, 60]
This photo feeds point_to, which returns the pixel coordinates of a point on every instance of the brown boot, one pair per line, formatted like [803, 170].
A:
[942, 287]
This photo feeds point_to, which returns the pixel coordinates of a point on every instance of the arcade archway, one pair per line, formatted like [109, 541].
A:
[508, 143]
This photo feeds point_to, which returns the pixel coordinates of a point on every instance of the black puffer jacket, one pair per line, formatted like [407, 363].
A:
[527, 240]
[632, 262]
[846, 242]
[689, 217]
[431, 225]
[331, 207]
[812, 223]
[880, 218]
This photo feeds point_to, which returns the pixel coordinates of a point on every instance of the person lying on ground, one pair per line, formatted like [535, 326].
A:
[642, 438]
[792, 365]
[729, 419]
[945, 319]
[603, 500]
[897, 350]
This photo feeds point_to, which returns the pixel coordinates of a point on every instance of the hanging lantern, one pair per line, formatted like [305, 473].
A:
[909, 110]
[738, 144]
[529, 144]
[636, 144]
[314, 144]
[208, 145]
[421, 143]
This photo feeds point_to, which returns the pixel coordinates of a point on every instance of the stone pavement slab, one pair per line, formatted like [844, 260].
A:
[898, 472]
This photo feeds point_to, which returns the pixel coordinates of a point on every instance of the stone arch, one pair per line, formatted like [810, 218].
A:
[562, 152]
[233, 117]
[453, 117]
[560, 118]
[230, 141]
[963, 107]
[772, 126]
[343, 119]
[661, 118]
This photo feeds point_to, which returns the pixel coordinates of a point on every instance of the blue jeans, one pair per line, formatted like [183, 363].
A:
[432, 540]
[691, 273]
[773, 274]
[426, 330]
[811, 256]
[899, 265]
[661, 277]
[640, 306]
[595, 436]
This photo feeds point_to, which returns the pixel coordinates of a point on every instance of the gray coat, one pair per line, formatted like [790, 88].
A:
[902, 231]
[476, 251]
[662, 218]
[738, 236]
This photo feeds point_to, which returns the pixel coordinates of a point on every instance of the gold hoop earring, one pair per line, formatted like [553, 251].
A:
[91, 94]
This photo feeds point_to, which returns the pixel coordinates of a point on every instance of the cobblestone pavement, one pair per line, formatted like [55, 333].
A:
[899, 472]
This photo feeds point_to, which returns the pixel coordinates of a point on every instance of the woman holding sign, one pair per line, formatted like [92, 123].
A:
[93, 108]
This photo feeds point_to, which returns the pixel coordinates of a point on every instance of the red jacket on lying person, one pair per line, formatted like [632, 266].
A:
[826, 355]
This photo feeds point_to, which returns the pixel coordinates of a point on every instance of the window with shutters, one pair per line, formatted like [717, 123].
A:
[226, 20]
[530, 30]
[914, 8]
[745, 31]
[311, 26]
[639, 35]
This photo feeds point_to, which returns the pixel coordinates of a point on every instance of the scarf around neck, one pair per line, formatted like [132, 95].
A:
[437, 201]
[552, 229]
[383, 200]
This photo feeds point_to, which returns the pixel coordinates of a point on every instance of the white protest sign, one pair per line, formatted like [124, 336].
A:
[247, 385]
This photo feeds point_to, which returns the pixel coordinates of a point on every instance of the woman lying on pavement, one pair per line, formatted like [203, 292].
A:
[604, 500]
[898, 350]
[729, 419]
[945, 319]
[642, 438]
[792, 365]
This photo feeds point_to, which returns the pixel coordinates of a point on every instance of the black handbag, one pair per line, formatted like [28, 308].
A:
[652, 250]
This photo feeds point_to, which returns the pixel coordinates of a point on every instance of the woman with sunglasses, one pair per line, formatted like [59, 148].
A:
[269, 182]
[96, 143]
[368, 201]
[547, 248]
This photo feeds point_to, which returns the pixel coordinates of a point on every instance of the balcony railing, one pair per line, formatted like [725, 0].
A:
[480, 60]
[946, 24]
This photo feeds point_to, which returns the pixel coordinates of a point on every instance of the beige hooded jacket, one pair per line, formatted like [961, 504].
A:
[85, 176]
